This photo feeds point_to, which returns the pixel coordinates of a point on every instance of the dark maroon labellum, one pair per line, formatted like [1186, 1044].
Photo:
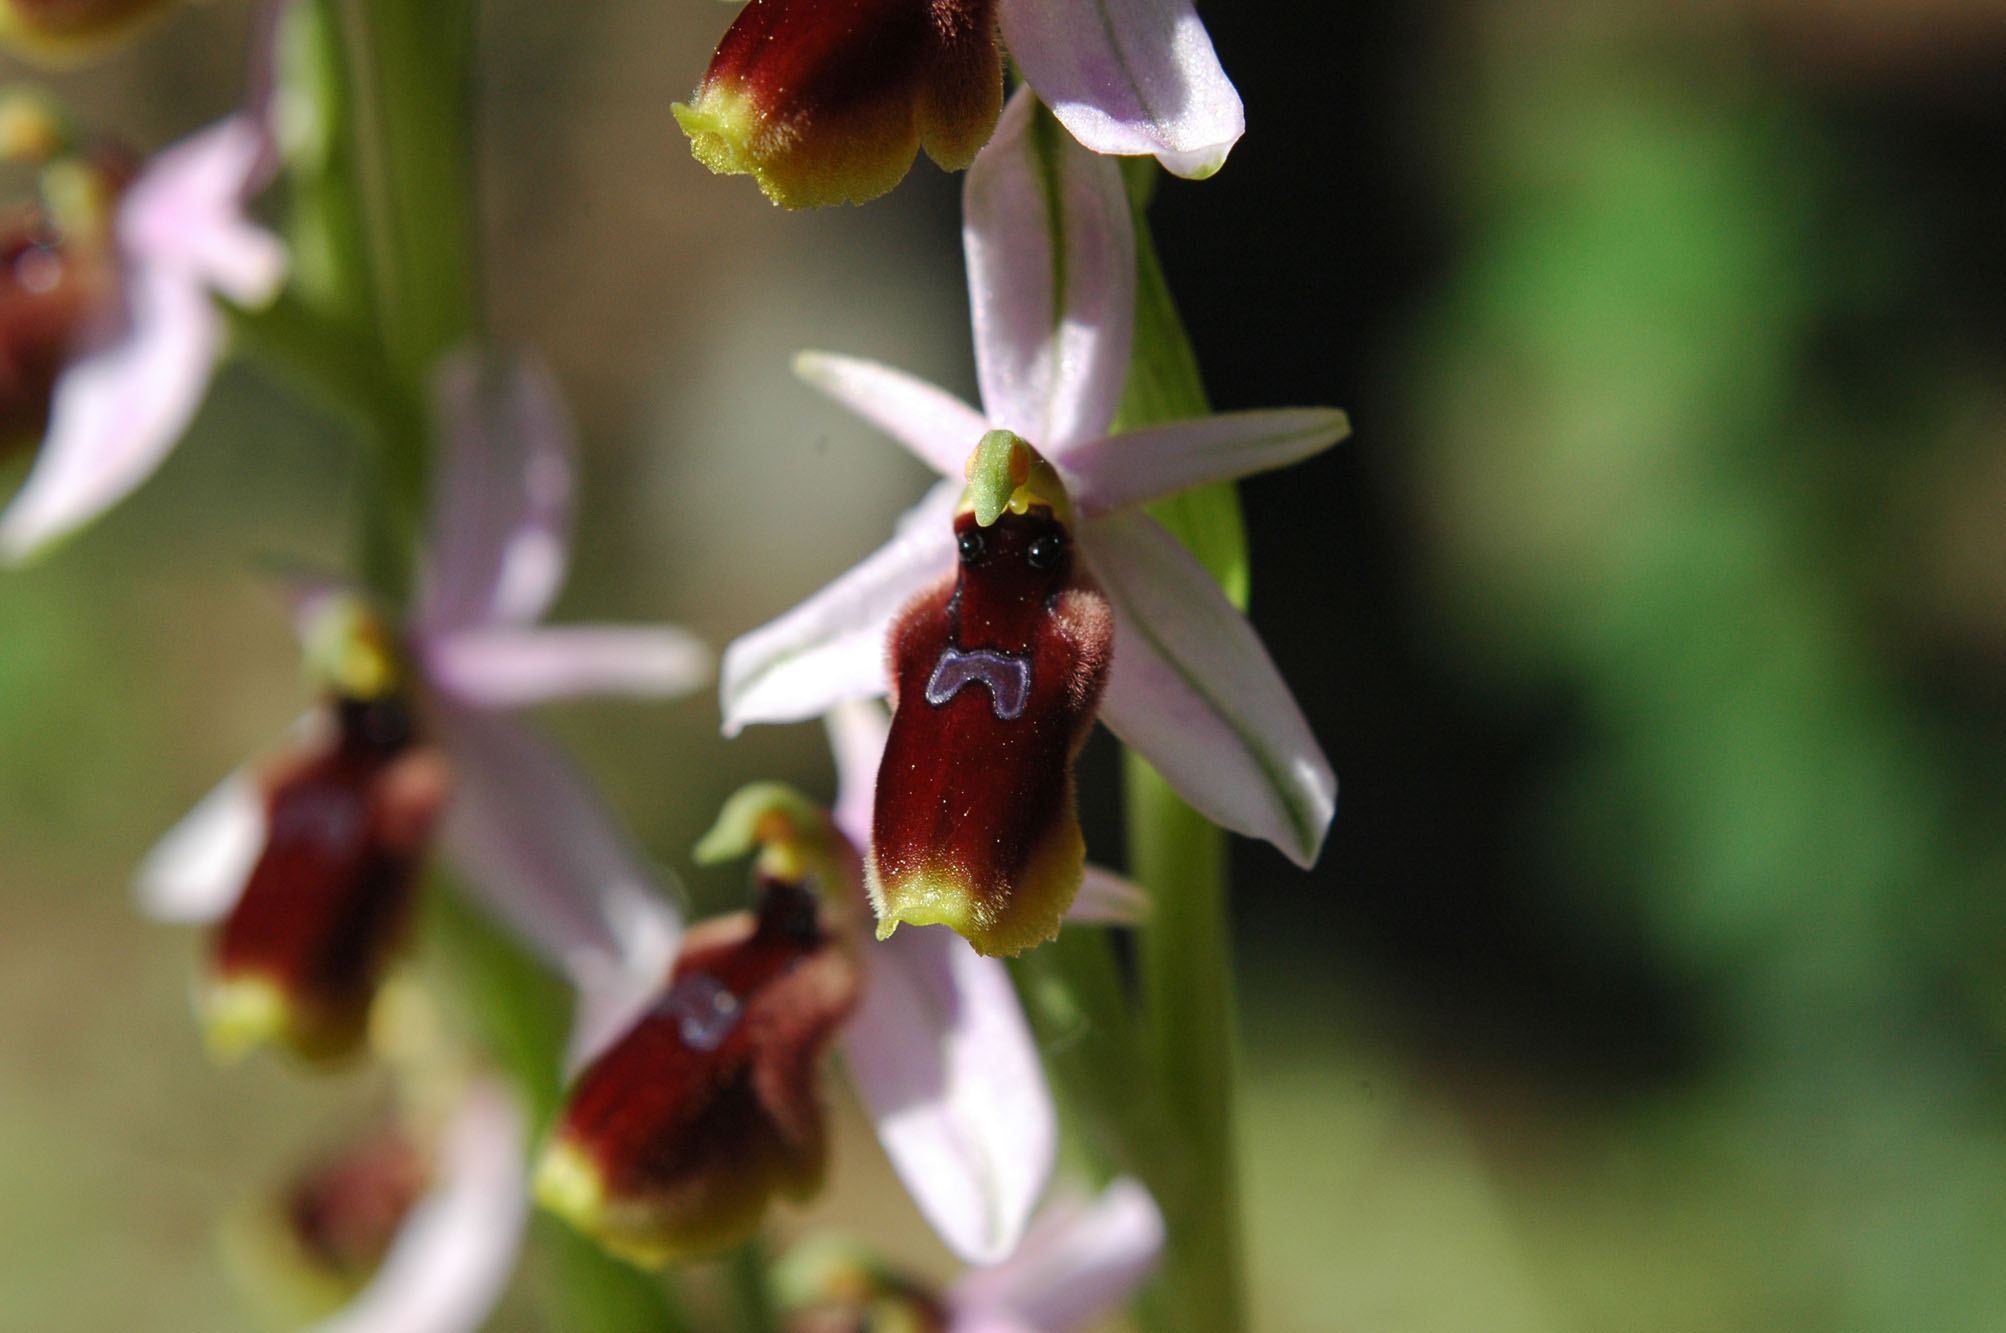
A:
[998, 674]
[673, 1140]
[328, 901]
[48, 296]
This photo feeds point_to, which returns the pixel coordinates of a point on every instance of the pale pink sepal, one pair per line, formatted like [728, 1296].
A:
[1050, 357]
[1078, 1261]
[857, 731]
[120, 408]
[944, 1059]
[185, 213]
[502, 499]
[938, 427]
[452, 1258]
[1194, 691]
[1129, 77]
[508, 667]
[832, 646]
[1107, 899]
[198, 869]
[1147, 464]
[534, 843]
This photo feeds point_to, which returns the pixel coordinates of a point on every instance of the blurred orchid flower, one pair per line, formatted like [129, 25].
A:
[1080, 1260]
[67, 32]
[135, 356]
[942, 1055]
[820, 103]
[1051, 264]
[403, 1233]
[528, 835]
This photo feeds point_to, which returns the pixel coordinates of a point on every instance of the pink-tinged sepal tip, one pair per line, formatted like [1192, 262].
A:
[346, 823]
[823, 101]
[66, 32]
[997, 672]
[674, 1140]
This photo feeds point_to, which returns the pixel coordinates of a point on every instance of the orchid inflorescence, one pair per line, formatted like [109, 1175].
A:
[1026, 595]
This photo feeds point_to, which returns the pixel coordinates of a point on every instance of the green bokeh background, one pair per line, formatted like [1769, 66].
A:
[1655, 620]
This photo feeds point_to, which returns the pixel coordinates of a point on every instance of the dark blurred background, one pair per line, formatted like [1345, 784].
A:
[1654, 619]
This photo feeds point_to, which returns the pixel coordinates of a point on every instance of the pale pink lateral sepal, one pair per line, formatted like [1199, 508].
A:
[502, 499]
[1147, 464]
[938, 427]
[534, 842]
[1051, 338]
[1107, 899]
[1129, 77]
[945, 1061]
[1194, 691]
[1079, 1260]
[832, 646]
[198, 869]
[453, 1255]
[120, 408]
[508, 667]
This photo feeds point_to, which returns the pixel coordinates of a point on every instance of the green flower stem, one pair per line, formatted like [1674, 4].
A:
[751, 1288]
[1184, 954]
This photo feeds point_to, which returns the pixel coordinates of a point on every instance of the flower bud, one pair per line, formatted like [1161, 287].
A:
[63, 32]
[826, 100]
[308, 1251]
[997, 673]
[672, 1141]
[346, 825]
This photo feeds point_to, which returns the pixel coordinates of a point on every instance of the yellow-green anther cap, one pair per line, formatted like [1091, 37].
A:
[1006, 473]
[792, 835]
[350, 650]
[32, 129]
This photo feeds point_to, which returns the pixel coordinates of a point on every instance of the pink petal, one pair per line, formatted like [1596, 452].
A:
[507, 668]
[945, 1061]
[938, 427]
[454, 1254]
[1146, 464]
[118, 411]
[534, 843]
[198, 869]
[184, 213]
[1077, 1262]
[502, 502]
[832, 646]
[857, 731]
[1129, 77]
[1105, 898]
[1051, 361]
[1194, 691]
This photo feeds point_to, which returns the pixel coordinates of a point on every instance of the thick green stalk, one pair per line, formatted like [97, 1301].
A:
[1185, 953]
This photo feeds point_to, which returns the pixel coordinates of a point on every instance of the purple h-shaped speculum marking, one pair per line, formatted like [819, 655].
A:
[1008, 679]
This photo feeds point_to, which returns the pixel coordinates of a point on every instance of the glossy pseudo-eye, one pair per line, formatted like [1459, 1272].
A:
[672, 1142]
[346, 825]
[997, 673]
[823, 101]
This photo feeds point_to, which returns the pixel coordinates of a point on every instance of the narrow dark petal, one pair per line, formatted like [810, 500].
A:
[300, 956]
[674, 1139]
[827, 100]
[997, 676]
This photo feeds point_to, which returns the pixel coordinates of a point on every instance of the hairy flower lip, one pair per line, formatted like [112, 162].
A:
[672, 1141]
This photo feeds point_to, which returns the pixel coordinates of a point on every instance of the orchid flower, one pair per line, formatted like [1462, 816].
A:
[405, 1232]
[528, 836]
[65, 32]
[1051, 264]
[1080, 1260]
[673, 1141]
[136, 358]
[823, 102]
